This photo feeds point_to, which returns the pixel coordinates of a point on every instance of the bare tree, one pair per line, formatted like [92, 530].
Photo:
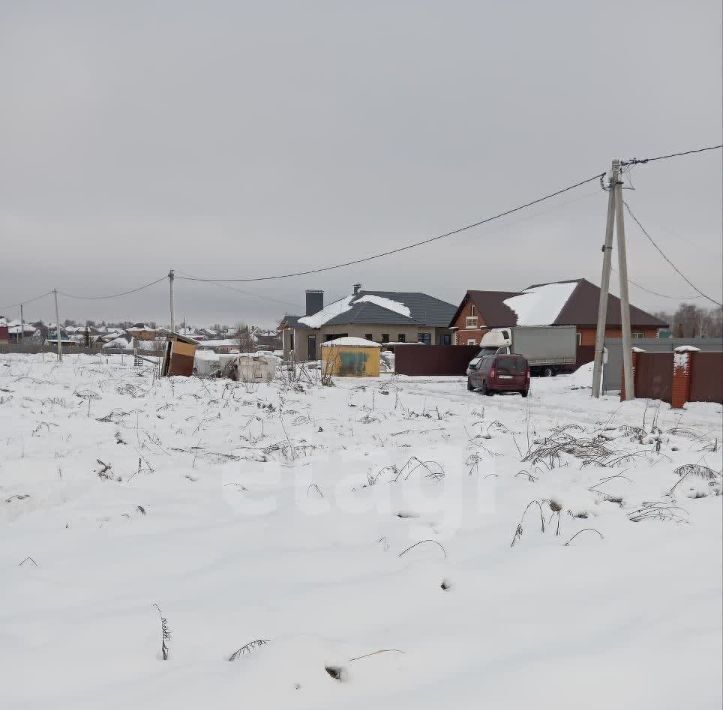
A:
[691, 321]
[244, 338]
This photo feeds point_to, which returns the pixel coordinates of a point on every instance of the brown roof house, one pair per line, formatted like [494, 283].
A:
[573, 302]
[379, 316]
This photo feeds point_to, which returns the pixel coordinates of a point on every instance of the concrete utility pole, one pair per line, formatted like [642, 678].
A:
[614, 218]
[57, 325]
[602, 312]
[22, 324]
[624, 298]
[171, 277]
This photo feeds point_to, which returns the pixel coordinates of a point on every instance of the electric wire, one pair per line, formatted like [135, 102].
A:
[27, 300]
[656, 293]
[413, 245]
[189, 277]
[600, 176]
[642, 161]
[113, 295]
[662, 253]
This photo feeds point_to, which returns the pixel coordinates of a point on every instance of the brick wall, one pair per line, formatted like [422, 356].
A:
[682, 364]
[464, 334]
[587, 334]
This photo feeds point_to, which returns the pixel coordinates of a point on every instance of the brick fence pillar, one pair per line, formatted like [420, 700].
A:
[682, 371]
[636, 355]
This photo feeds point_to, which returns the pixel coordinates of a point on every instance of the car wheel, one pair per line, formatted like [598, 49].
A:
[548, 372]
[524, 393]
[486, 390]
[469, 385]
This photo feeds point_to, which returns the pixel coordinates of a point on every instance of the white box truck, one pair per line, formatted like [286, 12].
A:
[549, 349]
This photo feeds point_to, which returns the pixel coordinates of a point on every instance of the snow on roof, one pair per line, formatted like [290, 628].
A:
[227, 343]
[387, 303]
[541, 305]
[118, 343]
[17, 329]
[319, 318]
[208, 355]
[359, 342]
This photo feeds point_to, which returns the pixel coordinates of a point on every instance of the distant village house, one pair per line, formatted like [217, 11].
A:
[573, 302]
[384, 317]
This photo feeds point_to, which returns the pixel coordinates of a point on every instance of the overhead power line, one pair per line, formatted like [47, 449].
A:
[641, 161]
[454, 232]
[656, 293]
[188, 277]
[389, 252]
[113, 295]
[27, 300]
[662, 253]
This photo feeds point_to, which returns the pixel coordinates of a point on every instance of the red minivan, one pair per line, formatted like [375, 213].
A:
[500, 373]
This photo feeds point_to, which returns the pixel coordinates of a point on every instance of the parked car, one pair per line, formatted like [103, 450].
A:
[500, 373]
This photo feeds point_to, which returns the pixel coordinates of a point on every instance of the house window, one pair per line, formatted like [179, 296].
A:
[368, 336]
[471, 341]
[424, 338]
[401, 338]
[579, 338]
[638, 334]
[471, 322]
[385, 337]
[445, 339]
[352, 363]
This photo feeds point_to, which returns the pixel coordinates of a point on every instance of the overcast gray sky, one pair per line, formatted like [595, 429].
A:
[234, 139]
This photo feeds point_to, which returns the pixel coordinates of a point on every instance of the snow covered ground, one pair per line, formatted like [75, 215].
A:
[384, 538]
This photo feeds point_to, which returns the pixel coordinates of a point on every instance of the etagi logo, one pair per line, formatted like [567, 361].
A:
[446, 489]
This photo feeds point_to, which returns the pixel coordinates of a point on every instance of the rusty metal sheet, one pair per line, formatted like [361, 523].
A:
[706, 378]
[654, 376]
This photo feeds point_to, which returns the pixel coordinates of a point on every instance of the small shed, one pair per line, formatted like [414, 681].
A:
[350, 357]
[248, 367]
[180, 352]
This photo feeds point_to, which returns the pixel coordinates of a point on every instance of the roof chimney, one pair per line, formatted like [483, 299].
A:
[314, 301]
[357, 288]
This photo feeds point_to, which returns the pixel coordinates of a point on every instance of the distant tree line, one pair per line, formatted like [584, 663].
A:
[691, 321]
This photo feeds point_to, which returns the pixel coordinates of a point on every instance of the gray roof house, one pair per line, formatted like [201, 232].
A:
[381, 316]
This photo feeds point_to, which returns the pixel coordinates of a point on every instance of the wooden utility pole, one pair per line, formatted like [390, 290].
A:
[22, 325]
[171, 277]
[602, 312]
[614, 219]
[624, 298]
[57, 325]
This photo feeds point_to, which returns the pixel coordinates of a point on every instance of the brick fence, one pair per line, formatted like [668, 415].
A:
[686, 375]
